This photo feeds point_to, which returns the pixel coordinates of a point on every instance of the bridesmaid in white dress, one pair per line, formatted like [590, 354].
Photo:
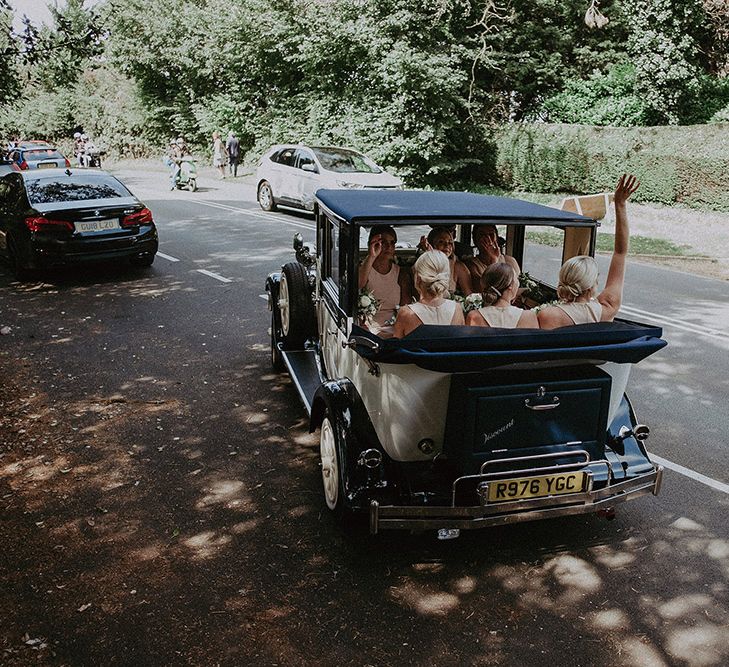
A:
[578, 276]
[500, 285]
[441, 238]
[432, 275]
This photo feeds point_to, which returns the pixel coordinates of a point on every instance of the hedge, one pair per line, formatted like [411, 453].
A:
[685, 165]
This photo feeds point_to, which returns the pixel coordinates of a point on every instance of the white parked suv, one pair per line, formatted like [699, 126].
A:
[290, 175]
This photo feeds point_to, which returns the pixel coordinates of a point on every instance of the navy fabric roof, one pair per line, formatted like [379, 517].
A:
[462, 349]
[414, 206]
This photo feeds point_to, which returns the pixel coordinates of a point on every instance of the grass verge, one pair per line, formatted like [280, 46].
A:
[639, 245]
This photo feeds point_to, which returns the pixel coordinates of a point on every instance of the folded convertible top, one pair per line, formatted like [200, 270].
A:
[459, 349]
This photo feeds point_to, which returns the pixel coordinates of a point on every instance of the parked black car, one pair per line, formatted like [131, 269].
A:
[51, 217]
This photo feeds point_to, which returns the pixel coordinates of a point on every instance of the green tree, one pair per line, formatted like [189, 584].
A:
[11, 49]
[63, 49]
[388, 76]
[667, 58]
[541, 45]
[602, 99]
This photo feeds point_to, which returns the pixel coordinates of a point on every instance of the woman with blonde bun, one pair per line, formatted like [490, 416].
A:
[441, 238]
[499, 286]
[432, 274]
[578, 276]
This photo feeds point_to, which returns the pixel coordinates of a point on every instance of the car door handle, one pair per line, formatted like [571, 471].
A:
[542, 406]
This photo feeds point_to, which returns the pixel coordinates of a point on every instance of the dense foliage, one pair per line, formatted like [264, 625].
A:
[685, 165]
[423, 87]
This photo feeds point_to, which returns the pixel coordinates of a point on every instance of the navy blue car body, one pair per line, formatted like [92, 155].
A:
[456, 427]
[53, 217]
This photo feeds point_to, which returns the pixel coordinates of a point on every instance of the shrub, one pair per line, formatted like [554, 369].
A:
[676, 165]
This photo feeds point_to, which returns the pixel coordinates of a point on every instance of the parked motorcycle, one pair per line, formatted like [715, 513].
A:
[88, 155]
[93, 157]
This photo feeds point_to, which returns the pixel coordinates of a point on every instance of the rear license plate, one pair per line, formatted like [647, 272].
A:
[97, 225]
[47, 165]
[536, 487]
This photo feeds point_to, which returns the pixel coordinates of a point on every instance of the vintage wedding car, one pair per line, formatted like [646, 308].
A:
[456, 427]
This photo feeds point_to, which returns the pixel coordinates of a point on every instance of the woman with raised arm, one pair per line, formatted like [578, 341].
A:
[488, 251]
[578, 276]
[432, 275]
[389, 284]
[499, 287]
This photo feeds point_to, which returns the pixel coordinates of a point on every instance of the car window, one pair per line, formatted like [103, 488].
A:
[543, 252]
[345, 161]
[286, 157]
[41, 154]
[304, 157]
[76, 187]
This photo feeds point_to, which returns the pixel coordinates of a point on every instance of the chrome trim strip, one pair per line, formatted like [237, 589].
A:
[374, 517]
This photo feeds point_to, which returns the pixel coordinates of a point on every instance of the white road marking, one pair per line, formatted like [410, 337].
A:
[678, 324]
[697, 476]
[258, 214]
[169, 258]
[214, 275]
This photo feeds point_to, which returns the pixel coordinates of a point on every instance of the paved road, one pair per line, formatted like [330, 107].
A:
[174, 490]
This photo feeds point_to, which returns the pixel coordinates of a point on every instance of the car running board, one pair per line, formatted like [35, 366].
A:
[304, 370]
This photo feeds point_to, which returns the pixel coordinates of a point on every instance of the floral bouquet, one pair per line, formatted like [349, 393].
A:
[532, 289]
[367, 305]
[468, 303]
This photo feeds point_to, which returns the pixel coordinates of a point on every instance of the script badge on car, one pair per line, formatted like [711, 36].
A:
[534, 487]
[97, 225]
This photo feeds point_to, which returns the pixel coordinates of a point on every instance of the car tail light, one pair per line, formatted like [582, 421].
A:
[23, 165]
[143, 217]
[39, 224]
[68, 164]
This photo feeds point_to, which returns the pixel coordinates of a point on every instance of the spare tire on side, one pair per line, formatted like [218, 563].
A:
[296, 309]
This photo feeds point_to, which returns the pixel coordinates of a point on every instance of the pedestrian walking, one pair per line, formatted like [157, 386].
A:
[232, 146]
[219, 154]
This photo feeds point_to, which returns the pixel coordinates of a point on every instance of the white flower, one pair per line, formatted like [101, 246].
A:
[367, 305]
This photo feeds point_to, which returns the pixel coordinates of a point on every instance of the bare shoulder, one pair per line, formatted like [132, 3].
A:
[528, 320]
[513, 263]
[405, 322]
[552, 317]
[475, 319]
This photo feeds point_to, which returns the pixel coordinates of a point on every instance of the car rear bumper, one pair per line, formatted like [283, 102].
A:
[47, 254]
[383, 517]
